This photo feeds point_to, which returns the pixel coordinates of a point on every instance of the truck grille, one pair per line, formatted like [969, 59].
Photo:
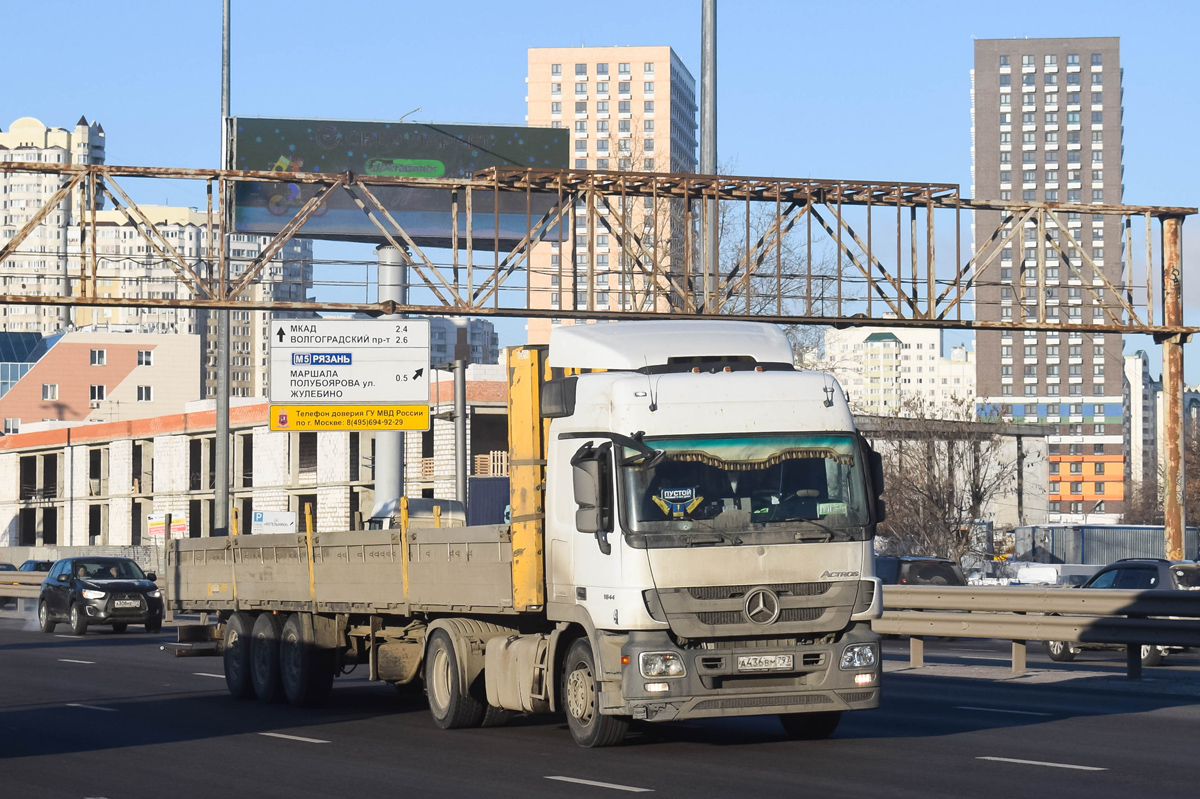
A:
[709, 592]
[860, 696]
[763, 701]
[737, 617]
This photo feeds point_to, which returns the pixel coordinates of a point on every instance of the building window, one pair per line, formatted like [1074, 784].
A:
[11, 426]
[556, 69]
[1097, 117]
[1006, 80]
[1099, 468]
[1099, 488]
[1005, 99]
[648, 67]
[1096, 60]
[623, 69]
[145, 393]
[1026, 60]
[555, 108]
[50, 391]
[1004, 61]
[99, 357]
[581, 70]
[1076, 488]
[97, 393]
[1073, 60]
[581, 108]
[145, 358]
[1055, 506]
[648, 106]
[623, 106]
[602, 69]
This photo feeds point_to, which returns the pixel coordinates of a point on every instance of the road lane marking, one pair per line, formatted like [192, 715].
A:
[1042, 763]
[293, 738]
[60, 635]
[86, 662]
[593, 783]
[93, 707]
[206, 674]
[1003, 710]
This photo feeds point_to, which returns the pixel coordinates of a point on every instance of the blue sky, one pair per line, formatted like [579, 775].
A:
[865, 90]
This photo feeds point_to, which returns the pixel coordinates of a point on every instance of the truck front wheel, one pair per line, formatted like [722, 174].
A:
[581, 700]
[450, 702]
[810, 726]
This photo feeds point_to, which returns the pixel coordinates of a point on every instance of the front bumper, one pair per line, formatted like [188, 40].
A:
[713, 685]
[104, 611]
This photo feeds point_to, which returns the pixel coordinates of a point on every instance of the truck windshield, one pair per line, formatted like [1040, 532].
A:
[761, 489]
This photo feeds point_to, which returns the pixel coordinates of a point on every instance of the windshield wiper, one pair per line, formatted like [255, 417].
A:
[715, 538]
[828, 533]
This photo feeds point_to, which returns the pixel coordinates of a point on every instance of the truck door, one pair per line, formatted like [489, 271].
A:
[597, 543]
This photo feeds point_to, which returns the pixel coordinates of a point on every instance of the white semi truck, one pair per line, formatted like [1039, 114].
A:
[691, 536]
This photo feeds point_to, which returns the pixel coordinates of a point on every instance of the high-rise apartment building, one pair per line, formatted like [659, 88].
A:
[1141, 421]
[42, 263]
[899, 371]
[628, 109]
[1046, 127]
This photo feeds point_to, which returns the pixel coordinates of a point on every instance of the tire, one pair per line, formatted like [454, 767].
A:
[581, 700]
[78, 620]
[1152, 655]
[1060, 651]
[44, 621]
[452, 707]
[120, 627]
[236, 648]
[495, 716]
[306, 671]
[264, 657]
[154, 626]
[810, 726]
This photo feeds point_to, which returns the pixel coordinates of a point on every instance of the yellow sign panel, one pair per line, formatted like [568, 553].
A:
[305, 418]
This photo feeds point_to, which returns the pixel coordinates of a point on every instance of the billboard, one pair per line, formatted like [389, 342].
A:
[389, 149]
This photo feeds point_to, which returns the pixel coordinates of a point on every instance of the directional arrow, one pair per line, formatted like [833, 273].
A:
[418, 373]
[280, 334]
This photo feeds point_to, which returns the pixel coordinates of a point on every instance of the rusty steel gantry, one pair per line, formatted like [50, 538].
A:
[791, 251]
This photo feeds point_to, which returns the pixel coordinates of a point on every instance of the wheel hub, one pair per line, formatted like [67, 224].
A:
[581, 694]
[439, 685]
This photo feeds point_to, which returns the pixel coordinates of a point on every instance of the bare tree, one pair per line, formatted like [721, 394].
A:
[944, 470]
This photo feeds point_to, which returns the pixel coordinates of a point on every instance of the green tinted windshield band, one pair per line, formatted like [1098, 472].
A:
[756, 453]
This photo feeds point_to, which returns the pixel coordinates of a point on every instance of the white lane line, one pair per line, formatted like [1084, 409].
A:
[93, 707]
[1042, 763]
[206, 674]
[60, 635]
[293, 738]
[68, 660]
[593, 783]
[1002, 710]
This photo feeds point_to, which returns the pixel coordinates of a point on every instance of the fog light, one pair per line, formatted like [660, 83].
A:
[656, 687]
[864, 679]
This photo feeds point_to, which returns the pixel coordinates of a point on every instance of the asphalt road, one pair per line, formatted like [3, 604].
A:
[112, 716]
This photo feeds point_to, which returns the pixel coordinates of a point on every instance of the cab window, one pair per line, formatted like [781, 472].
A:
[1103, 580]
[1136, 579]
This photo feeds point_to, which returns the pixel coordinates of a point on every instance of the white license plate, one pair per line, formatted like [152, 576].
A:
[127, 603]
[764, 662]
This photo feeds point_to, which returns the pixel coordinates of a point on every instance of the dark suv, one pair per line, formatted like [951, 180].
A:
[88, 590]
[1134, 574]
[918, 571]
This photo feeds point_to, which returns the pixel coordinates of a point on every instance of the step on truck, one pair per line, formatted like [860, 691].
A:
[690, 536]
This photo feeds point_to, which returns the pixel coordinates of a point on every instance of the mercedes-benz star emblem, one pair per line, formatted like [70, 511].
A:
[762, 606]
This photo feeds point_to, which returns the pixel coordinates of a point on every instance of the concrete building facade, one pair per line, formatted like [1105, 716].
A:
[1047, 126]
[881, 369]
[629, 109]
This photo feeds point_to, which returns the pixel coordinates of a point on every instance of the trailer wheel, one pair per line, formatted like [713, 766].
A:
[264, 657]
[237, 656]
[581, 700]
[451, 704]
[810, 726]
[306, 671]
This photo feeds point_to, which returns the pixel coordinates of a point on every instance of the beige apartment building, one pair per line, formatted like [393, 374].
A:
[629, 109]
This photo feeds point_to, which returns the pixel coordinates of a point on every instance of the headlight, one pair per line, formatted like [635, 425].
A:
[858, 656]
[155, 594]
[90, 594]
[661, 664]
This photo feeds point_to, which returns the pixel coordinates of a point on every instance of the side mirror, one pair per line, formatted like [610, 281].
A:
[62, 578]
[880, 511]
[151, 576]
[875, 461]
[589, 477]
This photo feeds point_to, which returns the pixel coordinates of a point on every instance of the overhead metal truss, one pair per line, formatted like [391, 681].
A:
[833, 252]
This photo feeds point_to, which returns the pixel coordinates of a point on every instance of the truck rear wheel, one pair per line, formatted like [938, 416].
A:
[305, 670]
[451, 704]
[810, 726]
[264, 657]
[237, 656]
[581, 700]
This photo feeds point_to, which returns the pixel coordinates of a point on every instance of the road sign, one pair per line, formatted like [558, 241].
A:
[350, 361]
[272, 521]
[306, 418]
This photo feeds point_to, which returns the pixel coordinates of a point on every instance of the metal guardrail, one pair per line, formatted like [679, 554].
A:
[1082, 616]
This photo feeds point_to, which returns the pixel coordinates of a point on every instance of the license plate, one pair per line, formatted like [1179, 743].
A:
[764, 662]
[127, 603]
